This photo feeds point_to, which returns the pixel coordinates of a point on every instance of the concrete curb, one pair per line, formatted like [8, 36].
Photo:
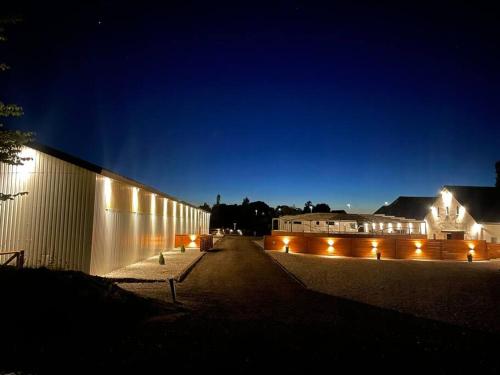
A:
[182, 275]
[292, 276]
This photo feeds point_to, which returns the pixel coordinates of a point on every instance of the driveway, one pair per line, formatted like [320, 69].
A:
[246, 314]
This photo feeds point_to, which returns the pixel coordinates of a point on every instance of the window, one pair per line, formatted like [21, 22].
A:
[331, 223]
[317, 223]
[493, 240]
[458, 210]
[353, 225]
[297, 222]
[438, 213]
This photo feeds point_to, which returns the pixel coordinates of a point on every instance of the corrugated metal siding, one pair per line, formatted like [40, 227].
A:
[53, 223]
[122, 236]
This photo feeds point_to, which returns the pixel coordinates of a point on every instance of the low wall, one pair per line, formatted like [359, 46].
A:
[494, 250]
[390, 248]
[188, 240]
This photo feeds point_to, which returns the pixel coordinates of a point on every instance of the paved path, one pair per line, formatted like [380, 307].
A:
[246, 314]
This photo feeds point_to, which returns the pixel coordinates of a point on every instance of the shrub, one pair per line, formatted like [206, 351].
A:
[183, 249]
[161, 259]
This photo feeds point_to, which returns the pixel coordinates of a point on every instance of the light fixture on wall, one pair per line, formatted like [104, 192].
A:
[330, 249]
[107, 193]
[418, 247]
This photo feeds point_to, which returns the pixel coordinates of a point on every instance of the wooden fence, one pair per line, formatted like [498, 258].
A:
[11, 255]
[388, 247]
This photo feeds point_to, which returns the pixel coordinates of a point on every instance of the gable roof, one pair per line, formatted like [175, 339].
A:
[407, 207]
[482, 202]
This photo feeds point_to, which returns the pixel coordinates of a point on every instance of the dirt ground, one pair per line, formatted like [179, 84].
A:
[455, 292]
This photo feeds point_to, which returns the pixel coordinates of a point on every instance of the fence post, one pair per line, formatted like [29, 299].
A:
[172, 288]
[20, 259]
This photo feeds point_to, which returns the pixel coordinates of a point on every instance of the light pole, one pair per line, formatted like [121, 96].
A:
[348, 206]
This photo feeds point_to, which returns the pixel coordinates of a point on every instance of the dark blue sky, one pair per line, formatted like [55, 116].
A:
[282, 101]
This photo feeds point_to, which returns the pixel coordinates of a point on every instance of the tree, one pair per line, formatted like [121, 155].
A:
[497, 167]
[246, 201]
[307, 207]
[218, 199]
[205, 206]
[321, 207]
[11, 141]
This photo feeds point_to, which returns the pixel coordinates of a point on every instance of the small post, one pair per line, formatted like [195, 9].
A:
[20, 259]
[171, 282]
[286, 249]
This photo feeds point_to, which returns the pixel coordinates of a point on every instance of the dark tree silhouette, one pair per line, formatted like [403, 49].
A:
[321, 207]
[307, 207]
[497, 167]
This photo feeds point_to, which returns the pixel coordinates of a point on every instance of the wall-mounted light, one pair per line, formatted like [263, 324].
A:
[330, 242]
[135, 199]
[374, 247]
[418, 247]
[107, 192]
[447, 197]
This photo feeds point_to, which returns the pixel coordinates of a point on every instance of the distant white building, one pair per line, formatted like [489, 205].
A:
[341, 222]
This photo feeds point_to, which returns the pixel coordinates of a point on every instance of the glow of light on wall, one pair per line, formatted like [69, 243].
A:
[23, 172]
[135, 199]
[476, 228]
[381, 226]
[286, 241]
[192, 237]
[374, 246]
[471, 246]
[366, 227]
[418, 246]
[399, 226]
[461, 213]
[331, 249]
[447, 197]
[107, 192]
[153, 204]
[434, 211]
[165, 205]
[410, 226]
[422, 228]
[390, 228]
[374, 226]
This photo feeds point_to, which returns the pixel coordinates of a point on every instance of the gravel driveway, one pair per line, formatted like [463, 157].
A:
[454, 292]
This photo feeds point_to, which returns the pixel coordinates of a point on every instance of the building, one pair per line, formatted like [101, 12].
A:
[83, 217]
[457, 212]
[356, 224]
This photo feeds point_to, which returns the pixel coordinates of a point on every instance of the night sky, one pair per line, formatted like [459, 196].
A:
[283, 102]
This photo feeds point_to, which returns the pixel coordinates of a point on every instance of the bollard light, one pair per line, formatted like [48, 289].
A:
[286, 241]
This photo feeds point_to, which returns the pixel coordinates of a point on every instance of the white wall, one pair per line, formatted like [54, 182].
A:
[461, 222]
[126, 232]
[53, 223]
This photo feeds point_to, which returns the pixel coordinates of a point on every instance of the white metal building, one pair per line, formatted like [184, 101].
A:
[82, 217]
[334, 222]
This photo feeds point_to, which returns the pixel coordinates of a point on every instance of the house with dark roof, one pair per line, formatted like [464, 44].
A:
[465, 212]
[457, 212]
[407, 207]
